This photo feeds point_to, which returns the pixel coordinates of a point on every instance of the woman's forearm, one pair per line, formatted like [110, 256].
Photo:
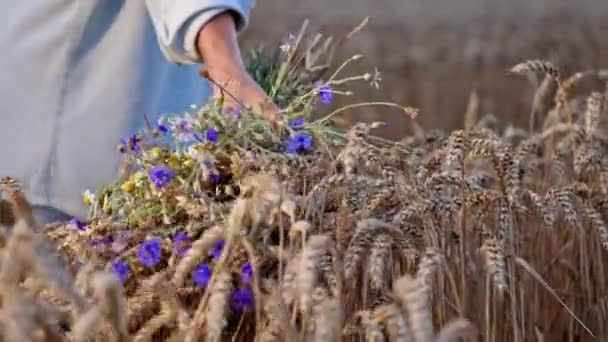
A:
[218, 45]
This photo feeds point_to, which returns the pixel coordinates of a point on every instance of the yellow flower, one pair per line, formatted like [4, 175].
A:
[128, 186]
[188, 163]
[156, 153]
[88, 197]
[106, 205]
[174, 162]
[138, 177]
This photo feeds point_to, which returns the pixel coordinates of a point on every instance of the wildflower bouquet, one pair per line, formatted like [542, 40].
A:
[184, 175]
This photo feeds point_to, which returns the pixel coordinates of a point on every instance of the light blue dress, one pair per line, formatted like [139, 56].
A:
[78, 75]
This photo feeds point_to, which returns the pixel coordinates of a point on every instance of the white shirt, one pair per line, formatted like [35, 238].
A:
[78, 75]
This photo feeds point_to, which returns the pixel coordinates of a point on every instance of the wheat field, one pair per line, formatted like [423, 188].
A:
[303, 232]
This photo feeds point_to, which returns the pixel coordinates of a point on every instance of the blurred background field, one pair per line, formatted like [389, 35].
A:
[433, 53]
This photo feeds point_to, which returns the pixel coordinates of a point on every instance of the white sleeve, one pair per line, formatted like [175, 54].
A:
[177, 23]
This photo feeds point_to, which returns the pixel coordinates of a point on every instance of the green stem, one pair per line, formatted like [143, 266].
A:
[357, 105]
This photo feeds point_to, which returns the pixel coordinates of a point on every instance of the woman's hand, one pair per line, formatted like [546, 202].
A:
[218, 46]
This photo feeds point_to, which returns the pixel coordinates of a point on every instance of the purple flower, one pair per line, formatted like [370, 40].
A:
[300, 143]
[247, 273]
[212, 135]
[201, 275]
[150, 252]
[214, 178]
[217, 250]
[121, 269]
[196, 194]
[297, 122]
[325, 94]
[75, 223]
[131, 144]
[237, 114]
[181, 242]
[160, 176]
[242, 299]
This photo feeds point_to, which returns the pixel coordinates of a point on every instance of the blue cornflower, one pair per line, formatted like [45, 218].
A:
[214, 178]
[162, 128]
[217, 250]
[150, 252]
[75, 223]
[160, 176]
[242, 299]
[182, 128]
[247, 273]
[212, 135]
[181, 242]
[325, 94]
[121, 269]
[300, 143]
[201, 275]
[297, 122]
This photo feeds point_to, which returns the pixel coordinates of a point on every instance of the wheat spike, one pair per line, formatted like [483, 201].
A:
[494, 258]
[598, 223]
[394, 321]
[166, 316]
[542, 207]
[327, 314]
[413, 298]
[537, 66]
[565, 199]
[595, 104]
[455, 330]
[306, 277]
[428, 268]
[215, 319]
[378, 260]
[373, 329]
